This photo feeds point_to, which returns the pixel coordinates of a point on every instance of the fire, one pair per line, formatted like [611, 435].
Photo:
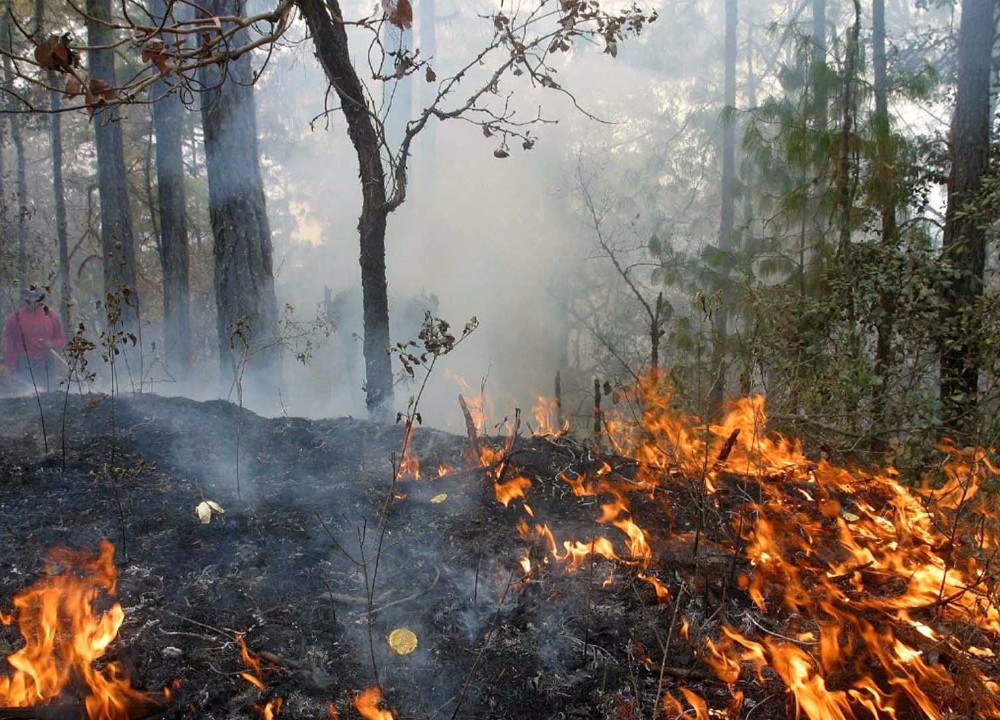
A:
[870, 580]
[255, 677]
[876, 599]
[367, 703]
[547, 420]
[65, 633]
[511, 490]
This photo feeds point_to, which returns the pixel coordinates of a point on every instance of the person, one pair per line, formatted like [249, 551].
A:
[34, 334]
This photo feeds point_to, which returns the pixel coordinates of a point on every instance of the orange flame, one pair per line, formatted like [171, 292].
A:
[511, 490]
[256, 678]
[65, 634]
[271, 710]
[367, 703]
[546, 412]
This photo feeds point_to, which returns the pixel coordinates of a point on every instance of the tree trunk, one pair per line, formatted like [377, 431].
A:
[727, 221]
[21, 182]
[333, 53]
[169, 123]
[117, 236]
[247, 321]
[59, 198]
[22, 196]
[819, 86]
[964, 245]
[845, 191]
[886, 192]
[58, 187]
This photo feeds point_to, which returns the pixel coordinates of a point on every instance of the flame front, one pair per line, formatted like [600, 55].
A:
[367, 703]
[65, 634]
[875, 599]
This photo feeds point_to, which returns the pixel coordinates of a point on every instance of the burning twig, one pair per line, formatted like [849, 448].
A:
[727, 449]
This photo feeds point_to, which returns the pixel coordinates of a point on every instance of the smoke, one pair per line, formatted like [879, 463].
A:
[493, 238]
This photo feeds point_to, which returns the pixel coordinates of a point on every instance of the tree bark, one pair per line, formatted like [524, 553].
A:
[169, 123]
[845, 193]
[728, 216]
[820, 94]
[886, 194]
[964, 245]
[59, 198]
[20, 168]
[247, 321]
[332, 51]
[117, 235]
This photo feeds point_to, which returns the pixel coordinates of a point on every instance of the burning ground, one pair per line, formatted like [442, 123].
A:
[692, 572]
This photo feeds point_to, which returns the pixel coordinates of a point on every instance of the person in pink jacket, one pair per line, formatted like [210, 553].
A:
[33, 335]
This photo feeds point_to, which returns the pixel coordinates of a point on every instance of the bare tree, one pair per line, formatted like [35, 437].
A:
[523, 43]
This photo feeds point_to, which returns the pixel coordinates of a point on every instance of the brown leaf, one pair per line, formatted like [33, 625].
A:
[430, 74]
[54, 53]
[60, 51]
[102, 90]
[43, 56]
[158, 52]
[73, 86]
[401, 15]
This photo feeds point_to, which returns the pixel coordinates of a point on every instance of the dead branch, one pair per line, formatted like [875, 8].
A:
[475, 450]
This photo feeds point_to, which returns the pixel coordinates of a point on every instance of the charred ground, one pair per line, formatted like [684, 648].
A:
[290, 562]
[283, 563]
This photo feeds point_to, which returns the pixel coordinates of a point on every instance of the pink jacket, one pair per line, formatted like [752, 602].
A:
[31, 332]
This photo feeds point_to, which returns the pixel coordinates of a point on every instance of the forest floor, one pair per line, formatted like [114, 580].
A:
[291, 564]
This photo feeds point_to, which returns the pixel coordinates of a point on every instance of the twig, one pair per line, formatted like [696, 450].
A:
[228, 634]
[482, 648]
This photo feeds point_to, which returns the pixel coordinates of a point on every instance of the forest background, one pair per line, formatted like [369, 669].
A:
[792, 199]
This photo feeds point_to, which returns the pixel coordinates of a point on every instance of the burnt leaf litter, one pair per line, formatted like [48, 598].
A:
[290, 564]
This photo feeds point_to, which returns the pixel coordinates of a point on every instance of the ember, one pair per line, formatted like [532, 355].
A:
[65, 634]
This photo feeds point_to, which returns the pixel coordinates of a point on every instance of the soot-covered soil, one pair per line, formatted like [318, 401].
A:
[289, 562]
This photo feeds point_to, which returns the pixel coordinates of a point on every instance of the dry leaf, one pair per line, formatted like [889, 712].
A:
[207, 509]
[73, 86]
[54, 53]
[430, 74]
[400, 15]
[102, 89]
[439, 498]
[403, 641]
[158, 52]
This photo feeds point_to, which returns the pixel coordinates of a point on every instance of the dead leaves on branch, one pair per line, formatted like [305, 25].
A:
[55, 53]
[96, 92]
[399, 13]
[160, 54]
